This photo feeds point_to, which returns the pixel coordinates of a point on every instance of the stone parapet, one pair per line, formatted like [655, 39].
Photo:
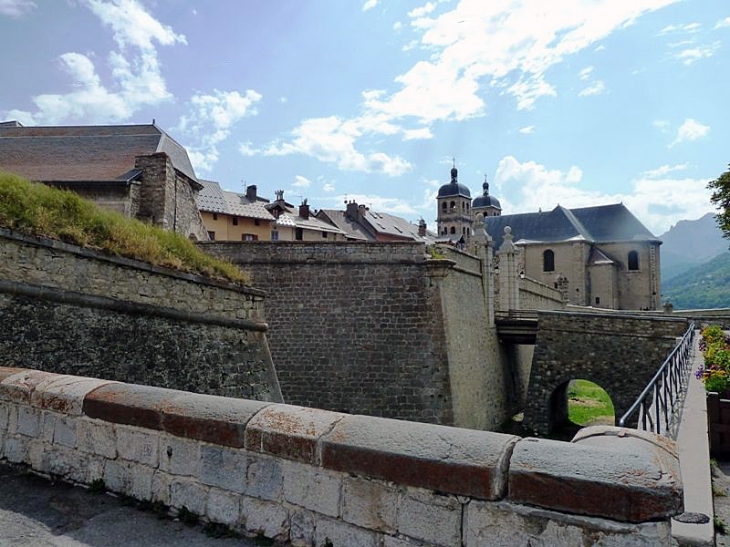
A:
[314, 477]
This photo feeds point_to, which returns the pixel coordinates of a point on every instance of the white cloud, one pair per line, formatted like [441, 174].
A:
[210, 120]
[422, 11]
[283, 100]
[657, 202]
[301, 182]
[723, 23]
[417, 134]
[527, 130]
[380, 203]
[690, 130]
[664, 170]
[585, 74]
[328, 187]
[135, 71]
[690, 56]
[397, 25]
[596, 88]
[16, 8]
[247, 149]
[661, 125]
[689, 27]
[369, 4]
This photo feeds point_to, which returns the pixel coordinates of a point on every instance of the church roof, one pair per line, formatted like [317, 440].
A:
[485, 200]
[600, 224]
[454, 188]
[85, 153]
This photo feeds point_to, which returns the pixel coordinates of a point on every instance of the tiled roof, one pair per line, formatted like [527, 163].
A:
[85, 153]
[598, 224]
[213, 199]
[311, 223]
[392, 225]
[352, 229]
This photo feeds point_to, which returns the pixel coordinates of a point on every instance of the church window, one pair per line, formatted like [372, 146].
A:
[633, 260]
[443, 206]
[453, 230]
[598, 300]
[453, 205]
[548, 261]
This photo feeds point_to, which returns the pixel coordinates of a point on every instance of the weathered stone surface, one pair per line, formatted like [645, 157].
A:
[289, 431]
[63, 393]
[29, 421]
[179, 456]
[190, 494]
[312, 488]
[622, 482]
[301, 533]
[457, 461]
[208, 418]
[425, 516]
[15, 448]
[96, 437]
[223, 467]
[137, 445]
[223, 507]
[129, 404]
[9, 371]
[340, 533]
[370, 504]
[19, 386]
[265, 478]
[266, 518]
[64, 430]
[161, 487]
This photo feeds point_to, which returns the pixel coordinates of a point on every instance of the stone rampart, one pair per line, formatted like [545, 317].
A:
[314, 477]
[379, 329]
[538, 296]
[71, 310]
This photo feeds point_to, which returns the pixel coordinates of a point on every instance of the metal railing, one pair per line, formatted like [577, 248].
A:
[659, 404]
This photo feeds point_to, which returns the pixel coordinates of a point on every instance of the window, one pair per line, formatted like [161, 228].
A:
[324, 235]
[453, 230]
[235, 221]
[548, 261]
[215, 216]
[274, 235]
[598, 300]
[298, 234]
[633, 260]
[257, 222]
[452, 205]
[249, 237]
[443, 206]
[211, 236]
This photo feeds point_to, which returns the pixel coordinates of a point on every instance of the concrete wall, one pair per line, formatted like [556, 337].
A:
[620, 353]
[72, 310]
[318, 478]
[378, 329]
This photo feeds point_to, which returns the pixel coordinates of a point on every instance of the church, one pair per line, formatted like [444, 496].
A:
[600, 256]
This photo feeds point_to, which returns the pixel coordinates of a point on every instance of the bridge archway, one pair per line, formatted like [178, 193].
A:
[580, 402]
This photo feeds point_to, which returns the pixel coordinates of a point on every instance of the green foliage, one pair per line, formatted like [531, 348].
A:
[715, 372]
[188, 517]
[588, 402]
[97, 486]
[40, 210]
[701, 287]
[720, 526]
[721, 198]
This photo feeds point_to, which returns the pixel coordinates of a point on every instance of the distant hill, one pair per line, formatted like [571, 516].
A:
[703, 286]
[690, 243]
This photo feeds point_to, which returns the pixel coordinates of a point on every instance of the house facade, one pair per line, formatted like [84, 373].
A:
[230, 216]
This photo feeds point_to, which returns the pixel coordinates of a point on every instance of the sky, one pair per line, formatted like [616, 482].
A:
[567, 102]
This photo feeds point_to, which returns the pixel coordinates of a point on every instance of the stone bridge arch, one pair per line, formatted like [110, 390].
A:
[619, 352]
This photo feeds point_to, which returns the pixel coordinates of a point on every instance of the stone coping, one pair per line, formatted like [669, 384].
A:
[605, 472]
[40, 241]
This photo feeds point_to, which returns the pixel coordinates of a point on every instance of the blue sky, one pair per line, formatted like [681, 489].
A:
[570, 102]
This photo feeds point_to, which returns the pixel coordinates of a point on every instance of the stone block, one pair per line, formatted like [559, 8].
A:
[301, 533]
[6, 372]
[137, 445]
[335, 532]
[128, 404]
[312, 488]
[3, 417]
[624, 479]
[139, 481]
[390, 541]
[223, 507]
[430, 517]
[18, 387]
[369, 504]
[115, 476]
[291, 432]
[161, 487]
[190, 494]
[64, 431]
[223, 467]
[502, 524]
[444, 459]
[96, 437]
[29, 421]
[208, 418]
[266, 518]
[265, 478]
[179, 456]
[15, 448]
[63, 393]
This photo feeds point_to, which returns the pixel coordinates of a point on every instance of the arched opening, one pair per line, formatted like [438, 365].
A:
[633, 260]
[443, 206]
[579, 403]
[453, 230]
[548, 261]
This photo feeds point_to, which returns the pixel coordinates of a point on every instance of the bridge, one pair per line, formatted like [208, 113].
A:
[517, 326]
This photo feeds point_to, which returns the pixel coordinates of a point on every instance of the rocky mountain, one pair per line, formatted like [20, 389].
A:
[690, 243]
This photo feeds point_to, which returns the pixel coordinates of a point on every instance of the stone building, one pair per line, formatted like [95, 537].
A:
[454, 218]
[597, 256]
[230, 216]
[138, 170]
[485, 204]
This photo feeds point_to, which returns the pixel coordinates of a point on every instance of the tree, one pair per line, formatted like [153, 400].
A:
[721, 198]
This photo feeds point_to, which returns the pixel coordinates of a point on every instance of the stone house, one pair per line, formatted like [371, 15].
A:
[137, 170]
[229, 216]
[300, 224]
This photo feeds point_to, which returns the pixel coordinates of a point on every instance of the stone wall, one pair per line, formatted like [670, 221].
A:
[315, 478]
[72, 310]
[378, 329]
[620, 353]
[534, 295]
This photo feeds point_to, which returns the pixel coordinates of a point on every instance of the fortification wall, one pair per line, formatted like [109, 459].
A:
[317, 478]
[377, 329]
[71, 310]
[538, 296]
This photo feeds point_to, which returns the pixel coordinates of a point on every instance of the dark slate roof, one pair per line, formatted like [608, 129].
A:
[351, 228]
[454, 188]
[598, 224]
[392, 225]
[85, 153]
[485, 200]
[213, 199]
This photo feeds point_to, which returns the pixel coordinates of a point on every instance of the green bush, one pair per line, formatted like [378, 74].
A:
[40, 210]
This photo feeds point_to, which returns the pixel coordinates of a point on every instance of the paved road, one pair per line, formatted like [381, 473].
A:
[37, 513]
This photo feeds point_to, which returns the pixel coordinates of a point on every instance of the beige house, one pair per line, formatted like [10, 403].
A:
[138, 170]
[597, 256]
[229, 216]
[300, 224]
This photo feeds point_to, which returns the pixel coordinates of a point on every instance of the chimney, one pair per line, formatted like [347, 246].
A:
[422, 228]
[304, 210]
[361, 210]
[251, 192]
[351, 211]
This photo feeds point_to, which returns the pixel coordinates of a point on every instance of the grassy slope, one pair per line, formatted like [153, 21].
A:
[37, 209]
[588, 402]
[704, 286]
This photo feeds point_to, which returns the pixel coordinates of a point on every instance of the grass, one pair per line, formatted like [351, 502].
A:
[39, 210]
[588, 402]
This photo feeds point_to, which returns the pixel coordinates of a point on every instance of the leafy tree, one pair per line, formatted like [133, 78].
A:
[721, 197]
